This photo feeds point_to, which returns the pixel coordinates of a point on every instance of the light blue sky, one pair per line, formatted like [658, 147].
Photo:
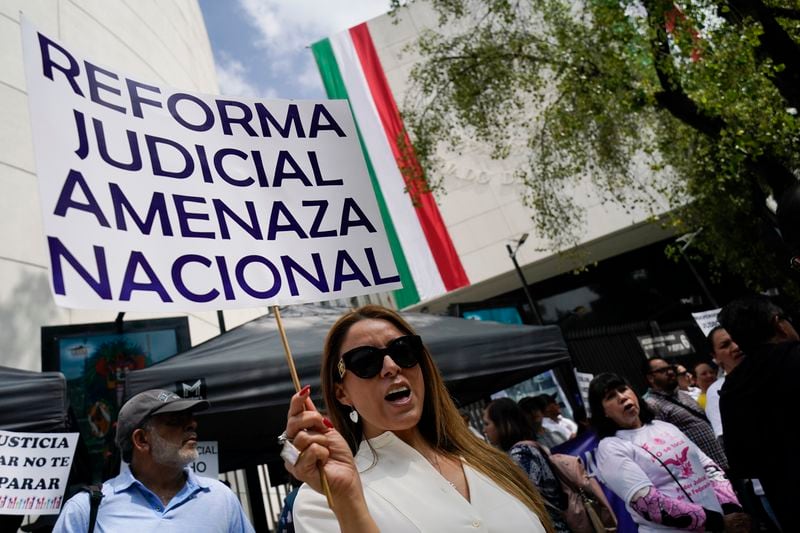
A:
[261, 46]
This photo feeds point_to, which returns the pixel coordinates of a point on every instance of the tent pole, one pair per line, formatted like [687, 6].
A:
[296, 380]
[118, 322]
[221, 322]
[251, 477]
[259, 512]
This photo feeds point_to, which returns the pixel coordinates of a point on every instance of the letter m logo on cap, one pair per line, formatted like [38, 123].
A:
[166, 396]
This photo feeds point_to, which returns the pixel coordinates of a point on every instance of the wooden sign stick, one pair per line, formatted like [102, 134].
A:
[296, 380]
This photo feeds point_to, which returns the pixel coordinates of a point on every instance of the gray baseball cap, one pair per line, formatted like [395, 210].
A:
[148, 403]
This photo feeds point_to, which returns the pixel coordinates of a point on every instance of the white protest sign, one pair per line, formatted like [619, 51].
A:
[707, 320]
[583, 379]
[154, 197]
[207, 464]
[33, 471]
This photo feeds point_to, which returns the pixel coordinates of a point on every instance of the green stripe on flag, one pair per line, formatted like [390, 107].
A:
[334, 86]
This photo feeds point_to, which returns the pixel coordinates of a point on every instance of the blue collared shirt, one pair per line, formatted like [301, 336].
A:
[202, 505]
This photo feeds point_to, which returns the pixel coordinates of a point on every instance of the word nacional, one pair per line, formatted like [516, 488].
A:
[246, 276]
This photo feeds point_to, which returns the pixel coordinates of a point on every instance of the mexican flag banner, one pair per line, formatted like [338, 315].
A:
[423, 251]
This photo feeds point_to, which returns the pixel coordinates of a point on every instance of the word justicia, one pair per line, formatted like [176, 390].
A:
[16, 441]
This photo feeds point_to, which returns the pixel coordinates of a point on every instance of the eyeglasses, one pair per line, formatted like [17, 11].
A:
[367, 361]
[663, 369]
[684, 373]
[780, 317]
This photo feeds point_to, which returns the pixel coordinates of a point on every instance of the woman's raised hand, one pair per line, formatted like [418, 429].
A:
[320, 446]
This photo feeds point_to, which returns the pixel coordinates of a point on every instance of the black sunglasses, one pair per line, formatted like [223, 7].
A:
[367, 361]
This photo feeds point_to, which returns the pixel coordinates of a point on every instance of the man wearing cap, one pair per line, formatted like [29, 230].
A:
[156, 434]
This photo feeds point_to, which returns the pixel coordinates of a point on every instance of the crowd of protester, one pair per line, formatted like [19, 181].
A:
[394, 453]
[662, 454]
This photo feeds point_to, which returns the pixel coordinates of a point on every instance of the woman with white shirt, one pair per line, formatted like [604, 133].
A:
[397, 455]
[666, 482]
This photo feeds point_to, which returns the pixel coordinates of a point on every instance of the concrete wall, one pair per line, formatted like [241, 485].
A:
[163, 42]
[483, 207]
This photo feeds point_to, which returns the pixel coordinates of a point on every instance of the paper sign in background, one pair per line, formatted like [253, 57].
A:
[707, 320]
[207, 464]
[33, 471]
[584, 379]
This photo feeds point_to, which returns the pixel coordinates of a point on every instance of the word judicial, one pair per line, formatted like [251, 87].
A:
[224, 164]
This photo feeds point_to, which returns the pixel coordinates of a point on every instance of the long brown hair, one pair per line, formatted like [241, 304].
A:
[510, 422]
[440, 424]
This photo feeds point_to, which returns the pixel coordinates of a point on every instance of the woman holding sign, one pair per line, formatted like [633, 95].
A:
[666, 482]
[397, 455]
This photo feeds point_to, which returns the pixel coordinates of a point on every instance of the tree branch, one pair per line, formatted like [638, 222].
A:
[499, 56]
[672, 97]
[784, 13]
[775, 43]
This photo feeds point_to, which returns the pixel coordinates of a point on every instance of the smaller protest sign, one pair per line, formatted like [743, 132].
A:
[207, 464]
[670, 344]
[706, 320]
[33, 471]
[584, 378]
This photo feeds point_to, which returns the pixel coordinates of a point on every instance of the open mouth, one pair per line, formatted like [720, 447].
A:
[398, 394]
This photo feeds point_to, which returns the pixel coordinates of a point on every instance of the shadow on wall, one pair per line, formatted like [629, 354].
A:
[28, 307]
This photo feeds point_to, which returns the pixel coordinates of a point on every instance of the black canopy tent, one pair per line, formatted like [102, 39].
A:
[33, 402]
[244, 374]
[37, 402]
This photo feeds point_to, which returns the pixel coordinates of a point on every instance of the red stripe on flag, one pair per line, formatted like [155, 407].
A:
[444, 253]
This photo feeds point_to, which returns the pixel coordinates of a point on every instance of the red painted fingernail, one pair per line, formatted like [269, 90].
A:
[327, 422]
[305, 390]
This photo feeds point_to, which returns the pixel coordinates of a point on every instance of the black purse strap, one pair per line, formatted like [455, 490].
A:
[668, 472]
[95, 497]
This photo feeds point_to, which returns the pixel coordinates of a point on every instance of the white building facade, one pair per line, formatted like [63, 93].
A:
[482, 207]
[163, 42]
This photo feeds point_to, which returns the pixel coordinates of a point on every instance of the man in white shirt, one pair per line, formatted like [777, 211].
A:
[554, 421]
[685, 382]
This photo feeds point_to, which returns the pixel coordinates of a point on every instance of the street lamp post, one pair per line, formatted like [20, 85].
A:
[686, 241]
[512, 253]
